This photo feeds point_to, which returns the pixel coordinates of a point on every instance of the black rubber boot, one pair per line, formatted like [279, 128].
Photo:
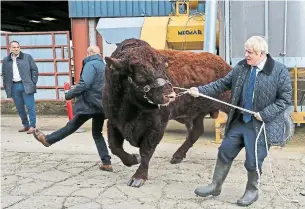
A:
[251, 193]
[220, 174]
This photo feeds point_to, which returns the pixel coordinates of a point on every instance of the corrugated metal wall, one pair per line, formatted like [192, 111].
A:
[123, 8]
[248, 19]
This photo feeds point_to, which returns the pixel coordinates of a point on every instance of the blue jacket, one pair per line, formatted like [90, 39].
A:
[88, 91]
[272, 96]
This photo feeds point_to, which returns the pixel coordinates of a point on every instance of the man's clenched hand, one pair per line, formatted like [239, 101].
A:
[194, 92]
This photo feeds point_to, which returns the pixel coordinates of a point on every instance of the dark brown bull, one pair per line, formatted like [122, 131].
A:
[139, 99]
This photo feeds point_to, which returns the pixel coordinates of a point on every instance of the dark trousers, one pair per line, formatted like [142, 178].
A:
[242, 135]
[22, 100]
[78, 121]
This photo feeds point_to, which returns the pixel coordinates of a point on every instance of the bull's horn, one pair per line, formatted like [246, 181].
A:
[114, 63]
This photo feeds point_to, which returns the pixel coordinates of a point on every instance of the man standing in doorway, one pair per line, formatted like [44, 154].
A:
[88, 94]
[20, 76]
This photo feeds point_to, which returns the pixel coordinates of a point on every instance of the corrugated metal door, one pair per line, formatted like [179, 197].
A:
[281, 22]
[123, 8]
[52, 54]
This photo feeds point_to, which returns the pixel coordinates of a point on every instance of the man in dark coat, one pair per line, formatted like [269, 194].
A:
[262, 85]
[88, 94]
[20, 76]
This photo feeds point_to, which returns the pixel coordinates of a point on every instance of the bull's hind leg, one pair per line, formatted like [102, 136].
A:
[116, 140]
[195, 129]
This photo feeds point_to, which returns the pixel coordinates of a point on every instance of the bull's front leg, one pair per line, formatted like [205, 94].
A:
[147, 149]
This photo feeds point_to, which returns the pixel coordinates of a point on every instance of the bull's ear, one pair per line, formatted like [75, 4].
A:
[113, 63]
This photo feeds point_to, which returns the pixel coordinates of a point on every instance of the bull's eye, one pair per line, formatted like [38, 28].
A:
[140, 78]
[146, 88]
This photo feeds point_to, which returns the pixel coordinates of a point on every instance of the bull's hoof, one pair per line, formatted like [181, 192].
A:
[176, 160]
[136, 182]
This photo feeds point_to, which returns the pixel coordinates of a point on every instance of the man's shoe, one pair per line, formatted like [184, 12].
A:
[106, 167]
[41, 137]
[24, 129]
[31, 130]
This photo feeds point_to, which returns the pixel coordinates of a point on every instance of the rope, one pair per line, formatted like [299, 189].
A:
[263, 128]
[217, 100]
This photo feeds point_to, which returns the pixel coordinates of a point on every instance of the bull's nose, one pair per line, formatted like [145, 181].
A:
[171, 95]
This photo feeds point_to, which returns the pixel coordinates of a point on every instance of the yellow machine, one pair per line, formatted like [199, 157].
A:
[181, 30]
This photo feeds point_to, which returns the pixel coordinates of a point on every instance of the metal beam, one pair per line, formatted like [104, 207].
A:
[92, 31]
[60, 13]
[63, 26]
[9, 27]
[80, 38]
[17, 23]
[210, 26]
[227, 32]
[10, 15]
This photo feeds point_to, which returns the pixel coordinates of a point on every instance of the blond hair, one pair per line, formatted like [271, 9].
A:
[258, 44]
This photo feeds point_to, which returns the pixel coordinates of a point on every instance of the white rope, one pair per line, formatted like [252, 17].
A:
[271, 171]
[217, 100]
[256, 140]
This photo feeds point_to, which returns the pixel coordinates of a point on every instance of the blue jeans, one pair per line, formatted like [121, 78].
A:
[242, 135]
[22, 99]
[75, 123]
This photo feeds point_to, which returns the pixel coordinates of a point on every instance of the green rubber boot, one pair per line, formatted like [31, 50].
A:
[220, 174]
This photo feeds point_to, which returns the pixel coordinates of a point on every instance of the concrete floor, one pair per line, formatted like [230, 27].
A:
[66, 175]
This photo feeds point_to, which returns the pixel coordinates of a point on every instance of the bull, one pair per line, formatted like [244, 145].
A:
[139, 99]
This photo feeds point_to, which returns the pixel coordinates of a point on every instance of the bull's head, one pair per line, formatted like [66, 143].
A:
[144, 72]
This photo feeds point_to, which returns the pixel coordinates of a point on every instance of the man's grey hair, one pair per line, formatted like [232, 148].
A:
[93, 50]
[258, 44]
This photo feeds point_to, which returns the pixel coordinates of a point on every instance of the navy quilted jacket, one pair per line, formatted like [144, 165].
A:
[272, 95]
